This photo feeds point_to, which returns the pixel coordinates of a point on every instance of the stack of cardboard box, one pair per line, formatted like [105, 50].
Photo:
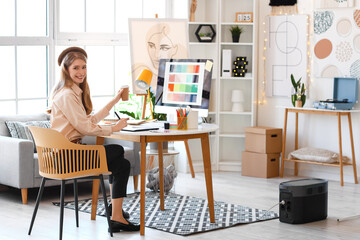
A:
[262, 152]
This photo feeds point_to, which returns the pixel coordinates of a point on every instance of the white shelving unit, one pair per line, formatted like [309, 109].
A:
[229, 141]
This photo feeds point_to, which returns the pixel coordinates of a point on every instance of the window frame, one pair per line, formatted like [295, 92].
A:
[46, 41]
[56, 38]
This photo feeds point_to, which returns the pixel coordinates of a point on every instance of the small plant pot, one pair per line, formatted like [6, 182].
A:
[294, 100]
[298, 103]
[235, 38]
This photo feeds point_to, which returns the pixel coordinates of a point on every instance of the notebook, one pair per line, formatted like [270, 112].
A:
[138, 128]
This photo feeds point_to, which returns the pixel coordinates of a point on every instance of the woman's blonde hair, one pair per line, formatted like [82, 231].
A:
[65, 80]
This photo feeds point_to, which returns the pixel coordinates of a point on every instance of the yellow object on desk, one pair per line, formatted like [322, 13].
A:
[182, 123]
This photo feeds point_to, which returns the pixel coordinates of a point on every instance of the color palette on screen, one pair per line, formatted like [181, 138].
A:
[182, 88]
[183, 83]
[183, 78]
[184, 68]
[182, 97]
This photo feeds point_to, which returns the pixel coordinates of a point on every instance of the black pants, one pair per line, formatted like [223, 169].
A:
[120, 169]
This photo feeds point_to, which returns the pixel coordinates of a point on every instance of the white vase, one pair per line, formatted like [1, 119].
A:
[237, 99]
[237, 107]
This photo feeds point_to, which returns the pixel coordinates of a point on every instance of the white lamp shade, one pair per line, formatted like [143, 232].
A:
[237, 96]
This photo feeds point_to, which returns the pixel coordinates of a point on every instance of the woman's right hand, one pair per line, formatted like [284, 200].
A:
[120, 125]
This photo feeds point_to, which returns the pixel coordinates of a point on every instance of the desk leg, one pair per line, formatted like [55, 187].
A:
[296, 170]
[208, 178]
[189, 158]
[142, 185]
[283, 145]
[96, 184]
[352, 149]
[161, 175]
[340, 152]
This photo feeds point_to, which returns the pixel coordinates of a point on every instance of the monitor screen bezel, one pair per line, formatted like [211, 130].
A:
[203, 110]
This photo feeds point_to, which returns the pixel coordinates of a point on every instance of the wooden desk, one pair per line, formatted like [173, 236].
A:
[160, 136]
[337, 113]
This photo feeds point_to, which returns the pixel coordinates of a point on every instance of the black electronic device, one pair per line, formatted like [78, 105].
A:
[306, 200]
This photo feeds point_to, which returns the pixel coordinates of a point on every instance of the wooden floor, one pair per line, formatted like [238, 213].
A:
[229, 187]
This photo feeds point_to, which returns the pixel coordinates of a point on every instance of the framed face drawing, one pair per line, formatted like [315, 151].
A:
[154, 39]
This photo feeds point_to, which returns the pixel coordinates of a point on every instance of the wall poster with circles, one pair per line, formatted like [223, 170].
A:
[336, 43]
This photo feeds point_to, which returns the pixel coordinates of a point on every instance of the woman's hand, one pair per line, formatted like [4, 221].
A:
[118, 95]
[119, 125]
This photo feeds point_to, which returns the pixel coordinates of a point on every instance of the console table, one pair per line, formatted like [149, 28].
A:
[338, 114]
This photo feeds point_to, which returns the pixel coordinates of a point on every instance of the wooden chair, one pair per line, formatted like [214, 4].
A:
[60, 159]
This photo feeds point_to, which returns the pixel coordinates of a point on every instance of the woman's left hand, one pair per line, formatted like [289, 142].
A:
[118, 95]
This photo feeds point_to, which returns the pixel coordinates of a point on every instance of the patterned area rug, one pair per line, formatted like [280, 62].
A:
[183, 215]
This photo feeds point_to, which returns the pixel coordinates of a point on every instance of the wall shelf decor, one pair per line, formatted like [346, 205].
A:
[205, 33]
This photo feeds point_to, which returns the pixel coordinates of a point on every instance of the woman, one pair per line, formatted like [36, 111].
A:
[71, 115]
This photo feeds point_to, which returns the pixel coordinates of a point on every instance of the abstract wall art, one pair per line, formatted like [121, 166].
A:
[286, 52]
[336, 43]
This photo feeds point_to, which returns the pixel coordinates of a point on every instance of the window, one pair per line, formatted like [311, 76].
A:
[33, 37]
[24, 43]
[101, 28]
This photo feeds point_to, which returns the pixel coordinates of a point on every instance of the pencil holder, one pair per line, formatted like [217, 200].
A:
[182, 123]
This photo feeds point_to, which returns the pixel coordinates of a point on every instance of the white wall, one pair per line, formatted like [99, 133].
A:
[314, 130]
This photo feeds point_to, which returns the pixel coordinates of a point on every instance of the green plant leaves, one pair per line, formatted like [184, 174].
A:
[293, 81]
[133, 108]
[236, 30]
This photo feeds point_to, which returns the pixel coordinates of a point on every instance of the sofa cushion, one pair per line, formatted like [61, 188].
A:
[21, 130]
[20, 118]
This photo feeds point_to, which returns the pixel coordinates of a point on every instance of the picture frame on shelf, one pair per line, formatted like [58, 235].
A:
[205, 33]
[244, 17]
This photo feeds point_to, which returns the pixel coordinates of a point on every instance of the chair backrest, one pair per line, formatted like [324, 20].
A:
[61, 159]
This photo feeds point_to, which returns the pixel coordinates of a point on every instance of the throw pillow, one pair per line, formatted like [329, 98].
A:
[317, 155]
[21, 130]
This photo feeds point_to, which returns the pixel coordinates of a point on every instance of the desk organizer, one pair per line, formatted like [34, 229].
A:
[182, 123]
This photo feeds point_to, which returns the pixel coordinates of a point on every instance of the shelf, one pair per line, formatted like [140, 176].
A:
[235, 44]
[229, 139]
[232, 135]
[317, 163]
[198, 23]
[202, 43]
[230, 163]
[236, 23]
[237, 78]
[236, 113]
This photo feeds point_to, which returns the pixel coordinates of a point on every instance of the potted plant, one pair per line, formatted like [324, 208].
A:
[205, 37]
[133, 108]
[236, 32]
[298, 98]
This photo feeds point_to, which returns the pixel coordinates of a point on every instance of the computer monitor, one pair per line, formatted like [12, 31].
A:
[182, 83]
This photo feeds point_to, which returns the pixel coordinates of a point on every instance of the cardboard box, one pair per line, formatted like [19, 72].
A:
[260, 164]
[263, 139]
